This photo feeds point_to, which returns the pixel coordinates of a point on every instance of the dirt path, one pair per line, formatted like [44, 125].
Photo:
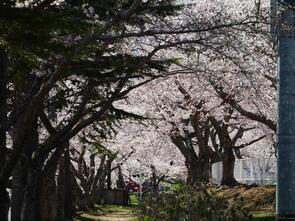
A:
[108, 213]
[117, 216]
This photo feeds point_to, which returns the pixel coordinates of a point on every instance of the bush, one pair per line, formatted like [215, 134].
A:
[189, 204]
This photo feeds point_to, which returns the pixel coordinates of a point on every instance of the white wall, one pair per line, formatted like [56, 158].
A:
[260, 171]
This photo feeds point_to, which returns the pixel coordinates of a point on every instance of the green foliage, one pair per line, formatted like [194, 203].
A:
[40, 36]
[189, 204]
[35, 33]
[113, 208]
[134, 199]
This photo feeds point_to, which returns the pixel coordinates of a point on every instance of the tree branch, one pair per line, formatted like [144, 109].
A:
[46, 122]
[249, 143]
[231, 101]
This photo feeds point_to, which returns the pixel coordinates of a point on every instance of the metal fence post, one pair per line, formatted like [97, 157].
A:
[285, 199]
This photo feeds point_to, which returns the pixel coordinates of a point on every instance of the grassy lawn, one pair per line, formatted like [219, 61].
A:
[263, 216]
[105, 212]
[101, 212]
[113, 208]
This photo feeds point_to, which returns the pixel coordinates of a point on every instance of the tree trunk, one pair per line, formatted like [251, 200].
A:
[193, 163]
[204, 168]
[4, 203]
[154, 179]
[98, 182]
[19, 179]
[49, 195]
[61, 190]
[4, 196]
[228, 166]
[48, 198]
[68, 187]
[3, 105]
[120, 183]
[198, 167]
[227, 156]
[109, 176]
[67, 201]
[192, 172]
[30, 209]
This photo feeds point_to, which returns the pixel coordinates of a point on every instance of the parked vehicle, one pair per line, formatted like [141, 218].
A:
[132, 187]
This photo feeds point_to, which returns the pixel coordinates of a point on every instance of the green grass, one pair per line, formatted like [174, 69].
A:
[263, 216]
[138, 219]
[87, 217]
[113, 208]
[98, 210]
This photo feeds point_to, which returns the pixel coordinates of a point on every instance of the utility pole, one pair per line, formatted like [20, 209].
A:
[285, 34]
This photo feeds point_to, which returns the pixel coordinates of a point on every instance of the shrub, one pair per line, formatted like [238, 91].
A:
[189, 204]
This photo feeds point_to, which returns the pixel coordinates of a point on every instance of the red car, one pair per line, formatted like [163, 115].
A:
[132, 187]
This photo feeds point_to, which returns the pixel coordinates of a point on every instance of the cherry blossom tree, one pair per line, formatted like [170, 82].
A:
[82, 75]
[240, 61]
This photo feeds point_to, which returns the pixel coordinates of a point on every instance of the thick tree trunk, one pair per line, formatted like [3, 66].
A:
[49, 195]
[4, 203]
[4, 196]
[69, 206]
[190, 178]
[77, 191]
[197, 172]
[24, 174]
[48, 199]
[204, 168]
[98, 182]
[19, 179]
[67, 200]
[192, 172]
[3, 105]
[227, 156]
[228, 166]
[197, 168]
[100, 179]
[30, 209]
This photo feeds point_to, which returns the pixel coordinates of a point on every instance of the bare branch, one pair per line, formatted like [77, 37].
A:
[231, 101]
[249, 143]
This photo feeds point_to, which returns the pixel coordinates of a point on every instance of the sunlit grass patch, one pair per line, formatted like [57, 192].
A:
[258, 216]
[102, 212]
